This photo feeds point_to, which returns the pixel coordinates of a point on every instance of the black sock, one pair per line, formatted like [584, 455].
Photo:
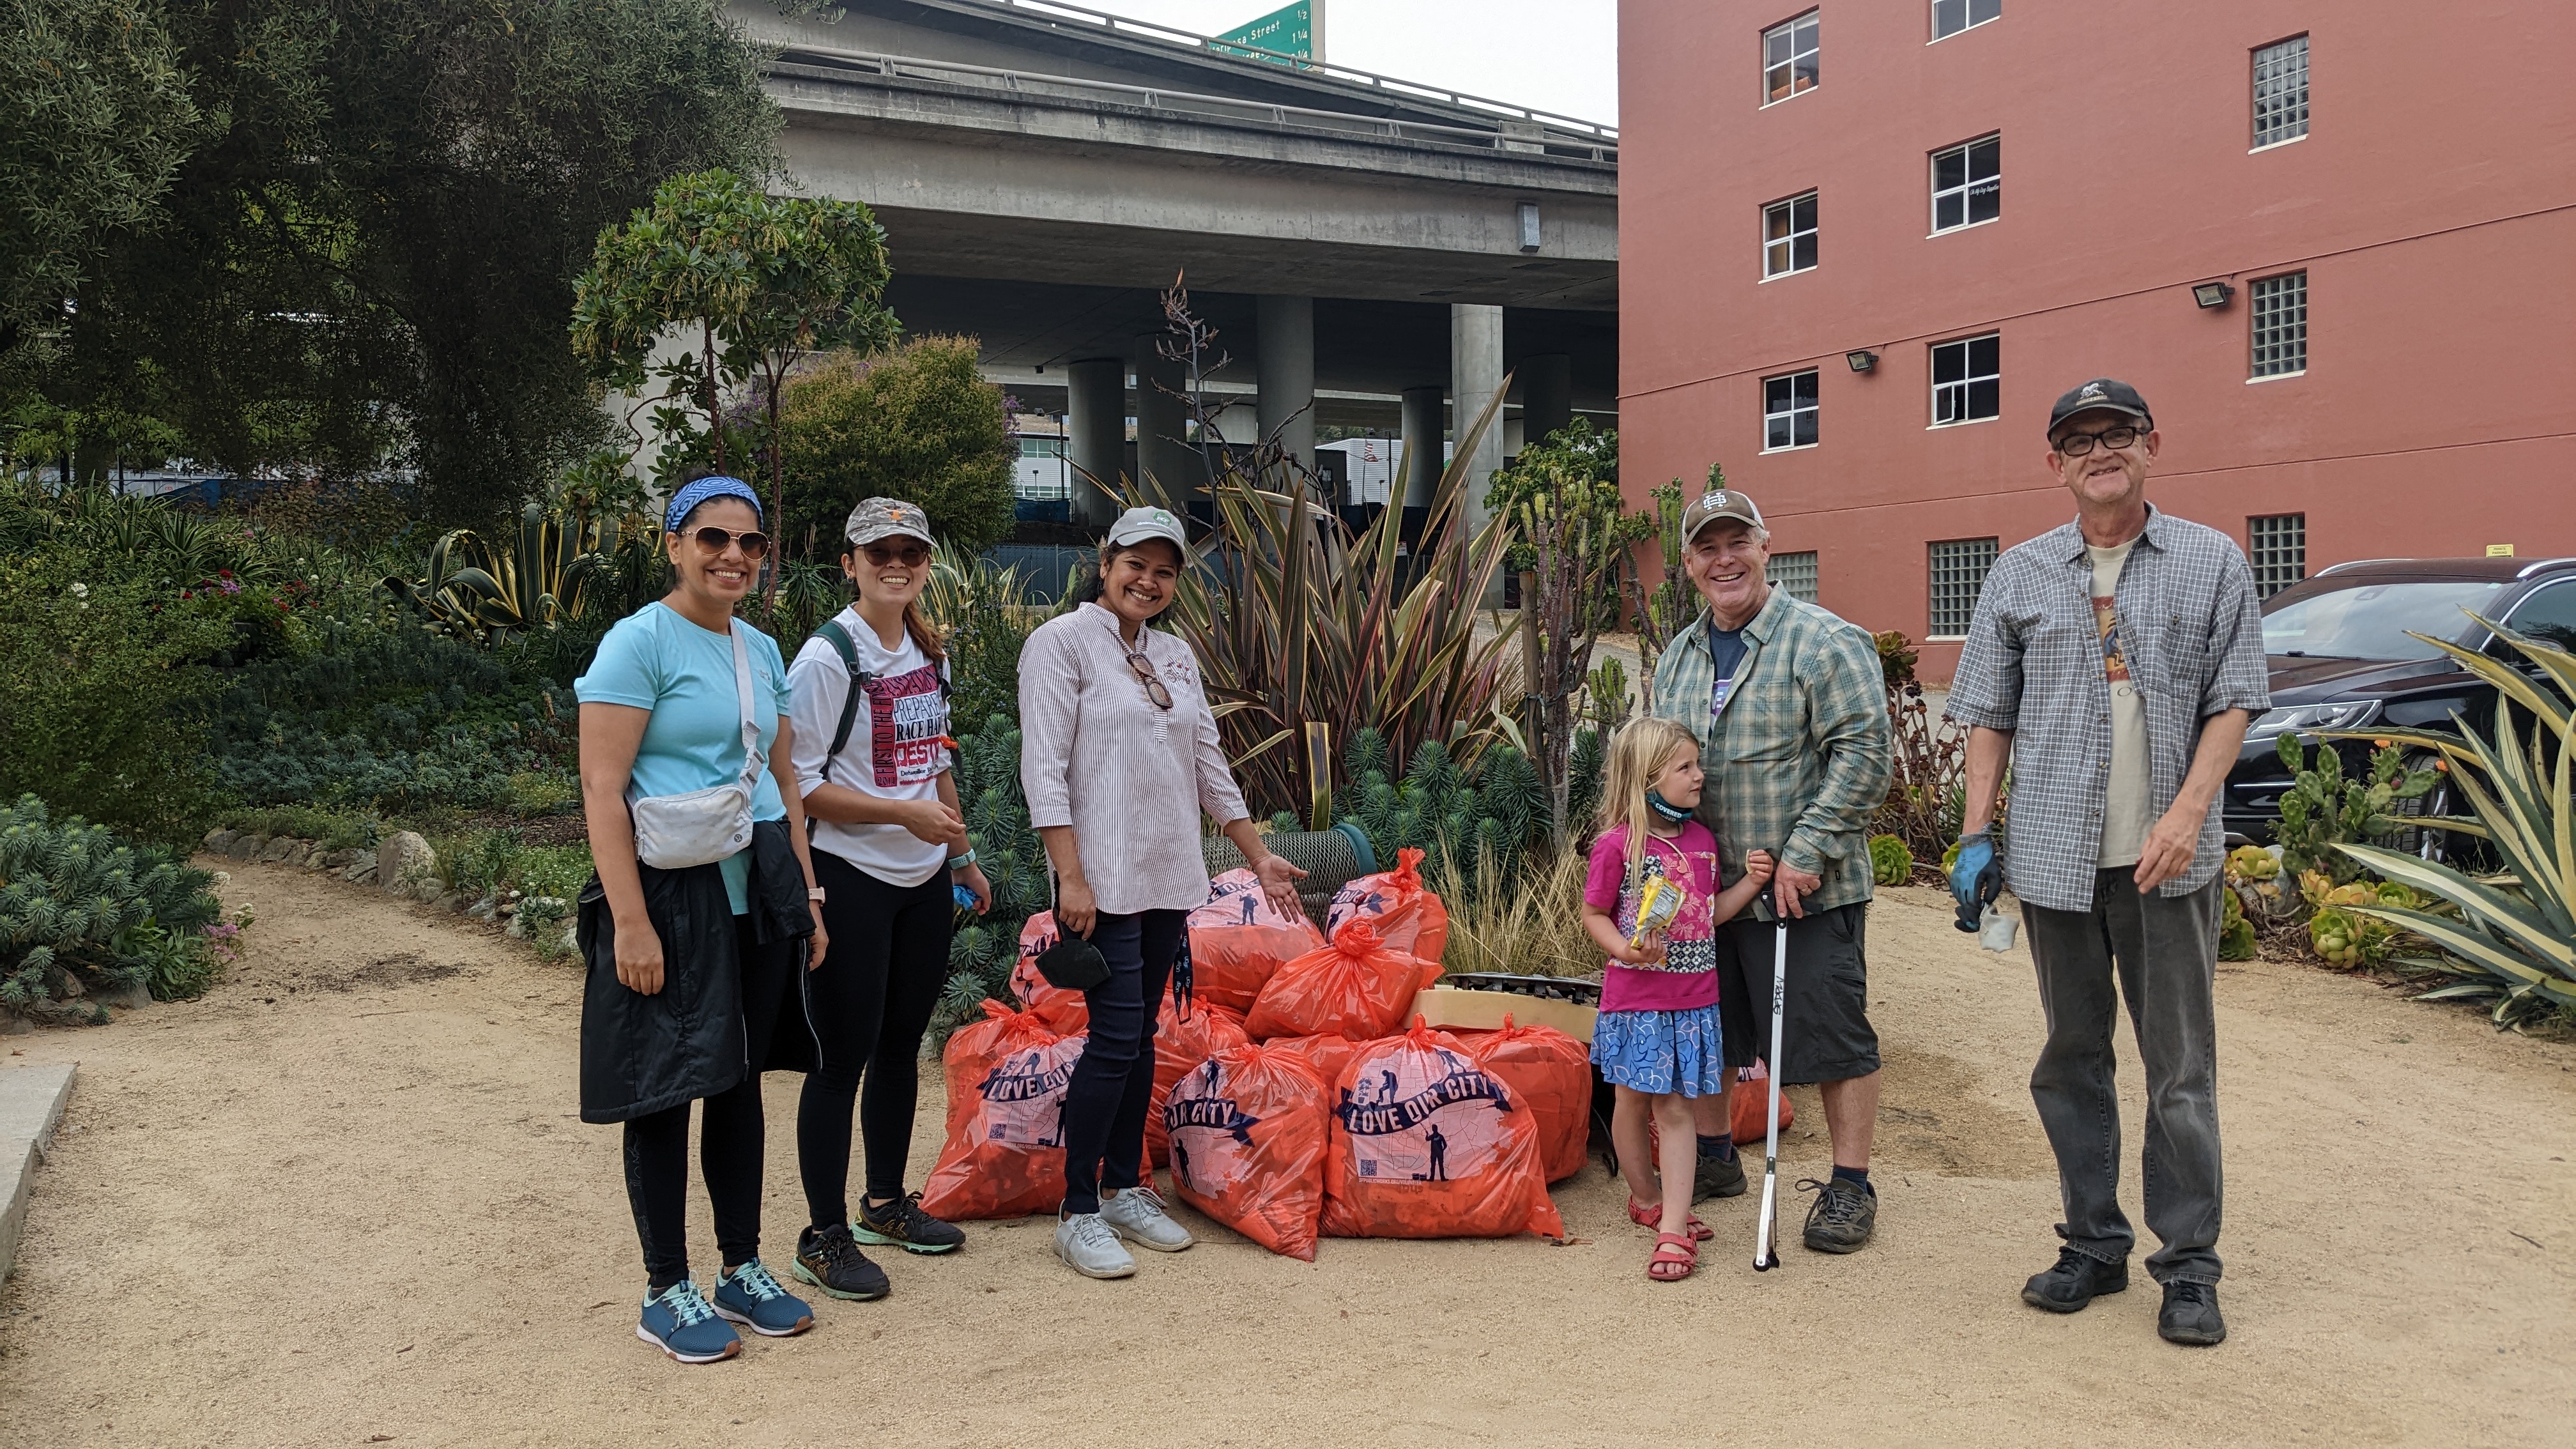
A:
[1855, 1174]
[1721, 1146]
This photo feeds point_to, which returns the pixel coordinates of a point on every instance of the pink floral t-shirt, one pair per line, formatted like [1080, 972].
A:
[1687, 979]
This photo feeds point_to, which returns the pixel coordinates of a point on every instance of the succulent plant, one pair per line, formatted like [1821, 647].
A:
[1890, 862]
[82, 911]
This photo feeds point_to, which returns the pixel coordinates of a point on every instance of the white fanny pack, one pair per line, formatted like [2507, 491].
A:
[674, 832]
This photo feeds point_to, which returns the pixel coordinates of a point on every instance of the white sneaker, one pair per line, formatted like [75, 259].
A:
[1089, 1246]
[1136, 1214]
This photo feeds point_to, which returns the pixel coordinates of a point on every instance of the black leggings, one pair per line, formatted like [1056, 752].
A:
[730, 1134]
[868, 1003]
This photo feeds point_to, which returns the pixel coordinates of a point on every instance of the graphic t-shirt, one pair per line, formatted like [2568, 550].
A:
[1687, 978]
[2128, 791]
[897, 748]
[1726, 655]
[653, 659]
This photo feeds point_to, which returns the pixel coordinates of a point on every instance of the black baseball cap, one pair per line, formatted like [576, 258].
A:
[2107, 394]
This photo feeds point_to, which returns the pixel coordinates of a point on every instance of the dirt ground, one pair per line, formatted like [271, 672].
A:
[361, 1151]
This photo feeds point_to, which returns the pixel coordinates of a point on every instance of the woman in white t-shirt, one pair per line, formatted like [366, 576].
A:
[869, 705]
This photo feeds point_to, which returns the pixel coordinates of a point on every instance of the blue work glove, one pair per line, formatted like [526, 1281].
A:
[1975, 878]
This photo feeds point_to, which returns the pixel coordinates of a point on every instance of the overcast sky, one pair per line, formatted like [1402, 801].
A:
[1557, 55]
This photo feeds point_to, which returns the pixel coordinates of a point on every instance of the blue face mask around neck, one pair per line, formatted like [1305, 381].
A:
[1656, 802]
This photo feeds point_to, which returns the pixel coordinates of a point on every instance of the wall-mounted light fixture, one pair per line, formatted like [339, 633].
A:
[2211, 295]
[1529, 226]
[1861, 361]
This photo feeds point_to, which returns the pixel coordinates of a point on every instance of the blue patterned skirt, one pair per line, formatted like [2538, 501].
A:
[1661, 1051]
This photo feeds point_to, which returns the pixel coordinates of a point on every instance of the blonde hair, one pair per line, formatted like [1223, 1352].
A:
[1639, 753]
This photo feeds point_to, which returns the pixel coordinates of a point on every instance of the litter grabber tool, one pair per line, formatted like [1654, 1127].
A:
[1765, 1255]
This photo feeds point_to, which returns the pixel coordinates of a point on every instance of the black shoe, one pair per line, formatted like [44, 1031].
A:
[1842, 1217]
[2077, 1279]
[2190, 1315]
[828, 1259]
[902, 1224]
[1718, 1177]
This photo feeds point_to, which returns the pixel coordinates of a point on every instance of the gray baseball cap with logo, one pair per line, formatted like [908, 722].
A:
[877, 518]
[1138, 524]
[1715, 504]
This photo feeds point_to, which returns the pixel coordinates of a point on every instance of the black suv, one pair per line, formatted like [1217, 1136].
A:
[2341, 659]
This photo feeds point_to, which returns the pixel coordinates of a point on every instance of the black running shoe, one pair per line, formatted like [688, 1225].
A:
[2190, 1315]
[1718, 1177]
[1842, 1217]
[902, 1224]
[828, 1259]
[2077, 1279]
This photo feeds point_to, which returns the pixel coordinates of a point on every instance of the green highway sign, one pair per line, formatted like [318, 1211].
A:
[1296, 30]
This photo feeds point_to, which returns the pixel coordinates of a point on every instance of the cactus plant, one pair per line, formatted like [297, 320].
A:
[82, 911]
[2235, 933]
[1475, 833]
[2322, 809]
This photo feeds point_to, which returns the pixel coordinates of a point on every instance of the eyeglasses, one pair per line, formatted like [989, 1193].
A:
[2076, 445]
[911, 555]
[755, 545]
[1143, 669]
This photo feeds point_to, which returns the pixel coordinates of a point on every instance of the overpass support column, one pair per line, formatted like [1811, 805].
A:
[1475, 373]
[1284, 354]
[1166, 464]
[1547, 395]
[1096, 416]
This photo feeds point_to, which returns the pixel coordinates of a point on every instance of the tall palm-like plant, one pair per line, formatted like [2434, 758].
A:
[2515, 938]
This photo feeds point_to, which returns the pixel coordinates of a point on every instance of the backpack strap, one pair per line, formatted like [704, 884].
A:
[860, 679]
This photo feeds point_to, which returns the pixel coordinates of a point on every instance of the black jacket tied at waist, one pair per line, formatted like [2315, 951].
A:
[641, 1054]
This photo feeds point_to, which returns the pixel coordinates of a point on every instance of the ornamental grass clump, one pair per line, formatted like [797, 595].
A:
[83, 912]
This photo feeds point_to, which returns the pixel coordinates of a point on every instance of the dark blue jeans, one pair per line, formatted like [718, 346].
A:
[1113, 1084]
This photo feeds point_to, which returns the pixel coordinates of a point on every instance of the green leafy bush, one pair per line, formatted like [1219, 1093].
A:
[920, 424]
[83, 911]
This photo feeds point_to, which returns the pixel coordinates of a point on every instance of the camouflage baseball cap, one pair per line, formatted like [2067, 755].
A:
[877, 518]
[1715, 504]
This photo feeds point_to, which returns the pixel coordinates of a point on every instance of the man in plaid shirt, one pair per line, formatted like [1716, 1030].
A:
[1790, 707]
[2117, 660]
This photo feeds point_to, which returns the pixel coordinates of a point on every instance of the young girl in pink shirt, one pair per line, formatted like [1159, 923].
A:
[1657, 1038]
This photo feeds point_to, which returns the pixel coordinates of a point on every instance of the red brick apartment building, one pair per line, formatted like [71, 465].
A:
[1865, 244]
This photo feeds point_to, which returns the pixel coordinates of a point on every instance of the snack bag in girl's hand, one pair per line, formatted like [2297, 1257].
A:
[1550, 1071]
[1181, 1043]
[1238, 940]
[1355, 987]
[1248, 1129]
[1004, 1157]
[1065, 1011]
[1428, 1144]
[1405, 913]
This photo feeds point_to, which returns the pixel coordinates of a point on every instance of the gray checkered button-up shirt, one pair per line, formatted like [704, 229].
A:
[2193, 632]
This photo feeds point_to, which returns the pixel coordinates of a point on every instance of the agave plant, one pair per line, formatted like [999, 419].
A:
[475, 591]
[2514, 940]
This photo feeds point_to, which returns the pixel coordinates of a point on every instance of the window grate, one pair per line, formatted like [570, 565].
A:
[1789, 411]
[1790, 51]
[2278, 549]
[1959, 570]
[1949, 17]
[2280, 319]
[1793, 574]
[1967, 380]
[2281, 92]
[1789, 236]
[1967, 184]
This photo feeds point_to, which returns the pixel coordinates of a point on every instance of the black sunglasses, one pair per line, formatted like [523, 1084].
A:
[909, 555]
[755, 545]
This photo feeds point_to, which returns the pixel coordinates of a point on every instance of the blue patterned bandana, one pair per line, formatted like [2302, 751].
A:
[685, 502]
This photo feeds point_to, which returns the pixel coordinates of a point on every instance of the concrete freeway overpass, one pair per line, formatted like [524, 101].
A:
[1368, 249]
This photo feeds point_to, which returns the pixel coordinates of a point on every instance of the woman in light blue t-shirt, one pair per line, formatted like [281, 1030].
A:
[689, 969]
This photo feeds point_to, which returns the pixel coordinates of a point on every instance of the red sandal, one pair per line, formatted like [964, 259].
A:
[1675, 1256]
[1647, 1217]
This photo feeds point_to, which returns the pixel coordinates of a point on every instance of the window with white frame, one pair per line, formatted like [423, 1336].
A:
[1959, 570]
[1793, 574]
[1789, 411]
[1967, 380]
[2277, 546]
[1968, 184]
[1949, 17]
[2280, 323]
[1789, 236]
[2281, 92]
[1789, 54]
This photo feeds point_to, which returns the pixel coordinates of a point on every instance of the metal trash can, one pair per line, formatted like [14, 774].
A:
[1331, 859]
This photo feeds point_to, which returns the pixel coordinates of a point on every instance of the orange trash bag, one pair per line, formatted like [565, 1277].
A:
[1248, 1129]
[1180, 1045]
[1550, 1071]
[1065, 1011]
[1407, 914]
[1428, 1144]
[1239, 940]
[1004, 1157]
[1749, 1109]
[1355, 987]
[1328, 1057]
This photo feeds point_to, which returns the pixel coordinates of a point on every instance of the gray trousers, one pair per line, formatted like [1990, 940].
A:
[2165, 953]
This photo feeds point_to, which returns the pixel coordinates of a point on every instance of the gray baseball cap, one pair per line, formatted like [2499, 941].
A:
[1715, 504]
[877, 518]
[1138, 524]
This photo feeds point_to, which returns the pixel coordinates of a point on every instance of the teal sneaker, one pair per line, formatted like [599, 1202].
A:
[679, 1321]
[748, 1295]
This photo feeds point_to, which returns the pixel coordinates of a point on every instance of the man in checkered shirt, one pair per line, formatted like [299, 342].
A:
[2117, 660]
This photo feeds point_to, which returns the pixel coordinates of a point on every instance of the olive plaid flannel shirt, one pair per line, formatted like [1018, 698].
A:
[1801, 757]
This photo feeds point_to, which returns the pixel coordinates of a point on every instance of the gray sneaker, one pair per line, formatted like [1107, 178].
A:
[1136, 1214]
[1089, 1246]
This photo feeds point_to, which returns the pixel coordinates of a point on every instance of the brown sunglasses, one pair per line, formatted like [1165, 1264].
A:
[755, 545]
[1143, 669]
[910, 555]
